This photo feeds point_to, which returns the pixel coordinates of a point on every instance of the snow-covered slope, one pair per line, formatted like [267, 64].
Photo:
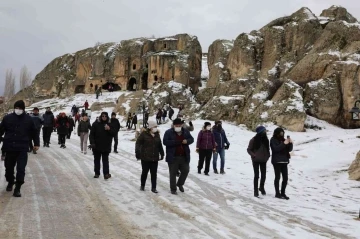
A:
[323, 202]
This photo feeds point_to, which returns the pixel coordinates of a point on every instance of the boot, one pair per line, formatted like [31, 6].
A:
[17, 190]
[96, 176]
[9, 187]
[215, 171]
[154, 190]
[277, 195]
[34, 152]
[107, 176]
[115, 151]
[199, 171]
[222, 171]
[283, 196]
[256, 193]
[142, 188]
[262, 190]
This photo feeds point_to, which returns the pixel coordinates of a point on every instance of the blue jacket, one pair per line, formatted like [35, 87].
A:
[171, 143]
[38, 120]
[18, 130]
[49, 119]
[220, 138]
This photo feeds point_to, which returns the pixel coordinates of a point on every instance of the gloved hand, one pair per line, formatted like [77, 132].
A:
[91, 146]
[190, 123]
[227, 146]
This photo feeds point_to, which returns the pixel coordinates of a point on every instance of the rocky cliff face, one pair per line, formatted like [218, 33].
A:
[127, 65]
[292, 66]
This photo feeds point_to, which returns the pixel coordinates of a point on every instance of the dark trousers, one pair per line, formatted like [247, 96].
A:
[69, 134]
[205, 155]
[31, 146]
[281, 169]
[105, 161]
[158, 120]
[146, 167]
[116, 141]
[170, 117]
[128, 124]
[47, 134]
[62, 138]
[262, 167]
[18, 159]
[179, 163]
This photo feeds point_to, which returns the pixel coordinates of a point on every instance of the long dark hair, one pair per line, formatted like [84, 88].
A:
[277, 135]
[260, 139]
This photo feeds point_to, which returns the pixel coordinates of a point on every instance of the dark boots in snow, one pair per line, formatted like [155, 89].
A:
[142, 188]
[9, 187]
[17, 190]
[107, 176]
[215, 171]
[154, 190]
[262, 190]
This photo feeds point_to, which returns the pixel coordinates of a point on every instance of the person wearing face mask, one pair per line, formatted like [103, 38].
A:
[281, 149]
[150, 151]
[259, 150]
[48, 126]
[177, 141]
[19, 129]
[101, 134]
[222, 143]
[205, 146]
[38, 121]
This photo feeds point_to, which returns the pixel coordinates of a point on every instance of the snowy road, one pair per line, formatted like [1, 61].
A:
[62, 200]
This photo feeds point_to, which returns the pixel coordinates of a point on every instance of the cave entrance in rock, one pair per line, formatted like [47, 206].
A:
[132, 84]
[115, 87]
[80, 89]
[144, 81]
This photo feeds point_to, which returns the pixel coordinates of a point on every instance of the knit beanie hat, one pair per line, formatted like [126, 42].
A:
[19, 104]
[260, 129]
[113, 113]
[207, 124]
[152, 124]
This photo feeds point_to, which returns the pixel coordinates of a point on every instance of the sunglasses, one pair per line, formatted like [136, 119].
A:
[103, 116]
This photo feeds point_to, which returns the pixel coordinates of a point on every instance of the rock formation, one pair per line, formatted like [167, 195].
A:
[294, 65]
[354, 169]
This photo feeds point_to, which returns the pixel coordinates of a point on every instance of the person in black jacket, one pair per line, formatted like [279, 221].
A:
[259, 150]
[71, 126]
[62, 125]
[38, 121]
[19, 129]
[281, 149]
[150, 151]
[115, 122]
[48, 126]
[101, 134]
[134, 121]
[171, 112]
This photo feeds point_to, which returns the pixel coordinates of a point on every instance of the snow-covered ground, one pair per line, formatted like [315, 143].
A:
[323, 202]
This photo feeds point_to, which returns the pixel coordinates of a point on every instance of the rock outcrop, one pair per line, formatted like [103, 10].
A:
[354, 169]
[294, 65]
[134, 64]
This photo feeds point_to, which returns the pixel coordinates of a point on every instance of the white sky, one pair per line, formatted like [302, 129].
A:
[34, 32]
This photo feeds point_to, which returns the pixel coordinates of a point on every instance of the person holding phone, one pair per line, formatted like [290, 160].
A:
[281, 149]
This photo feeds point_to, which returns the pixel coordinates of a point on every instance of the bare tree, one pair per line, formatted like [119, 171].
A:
[25, 78]
[9, 90]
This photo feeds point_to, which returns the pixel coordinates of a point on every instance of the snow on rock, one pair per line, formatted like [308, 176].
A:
[204, 68]
[309, 14]
[264, 115]
[279, 28]
[332, 53]
[261, 95]
[219, 64]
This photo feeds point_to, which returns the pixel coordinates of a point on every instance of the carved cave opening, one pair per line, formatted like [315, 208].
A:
[80, 89]
[131, 84]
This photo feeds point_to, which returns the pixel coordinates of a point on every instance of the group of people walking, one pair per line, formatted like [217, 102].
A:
[20, 129]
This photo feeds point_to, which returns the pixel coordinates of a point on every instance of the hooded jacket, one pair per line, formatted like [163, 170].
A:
[100, 138]
[220, 137]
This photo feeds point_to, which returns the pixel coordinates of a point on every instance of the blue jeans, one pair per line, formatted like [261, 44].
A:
[222, 157]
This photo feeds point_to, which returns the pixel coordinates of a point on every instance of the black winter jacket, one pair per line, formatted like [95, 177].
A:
[18, 130]
[62, 125]
[83, 127]
[115, 122]
[100, 137]
[49, 119]
[280, 151]
[148, 147]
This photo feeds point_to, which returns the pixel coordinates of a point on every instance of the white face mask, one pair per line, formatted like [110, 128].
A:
[154, 130]
[208, 127]
[18, 111]
[177, 129]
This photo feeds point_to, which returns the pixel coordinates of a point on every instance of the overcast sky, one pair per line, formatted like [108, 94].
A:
[33, 32]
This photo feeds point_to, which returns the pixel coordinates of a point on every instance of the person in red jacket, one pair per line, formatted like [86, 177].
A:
[86, 105]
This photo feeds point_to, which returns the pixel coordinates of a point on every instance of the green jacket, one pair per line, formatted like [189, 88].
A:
[148, 147]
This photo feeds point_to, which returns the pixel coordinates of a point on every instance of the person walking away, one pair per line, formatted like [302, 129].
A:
[62, 126]
[38, 121]
[71, 126]
[150, 151]
[146, 119]
[134, 121]
[259, 150]
[97, 92]
[280, 148]
[164, 115]
[158, 116]
[177, 141]
[18, 129]
[115, 122]
[222, 143]
[205, 146]
[83, 132]
[101, 134]
[171, 112]
[129, 120]
[86, 105]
